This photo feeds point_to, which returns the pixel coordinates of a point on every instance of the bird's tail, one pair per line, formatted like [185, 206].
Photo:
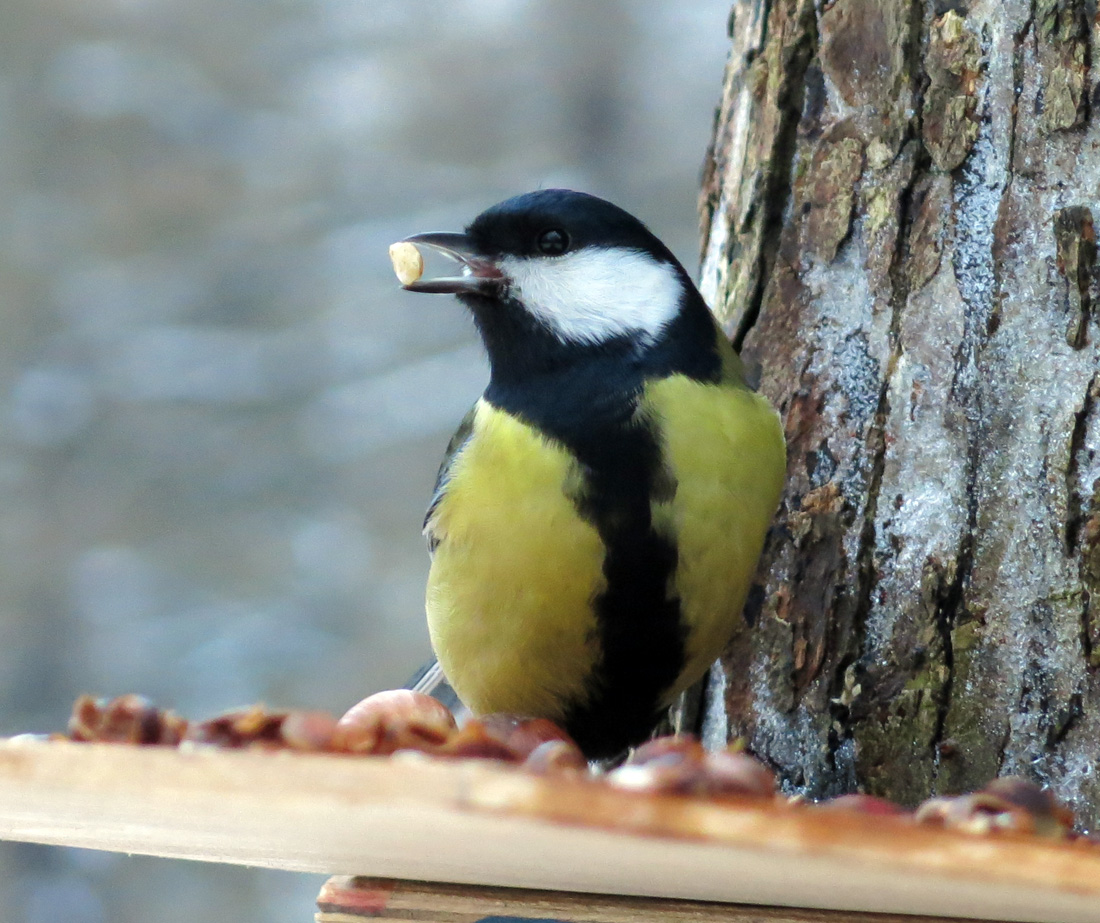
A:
[430, 680]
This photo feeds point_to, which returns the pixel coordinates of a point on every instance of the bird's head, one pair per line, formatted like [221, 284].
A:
[563, 273]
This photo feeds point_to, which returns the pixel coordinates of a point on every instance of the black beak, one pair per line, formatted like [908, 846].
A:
[480, 275]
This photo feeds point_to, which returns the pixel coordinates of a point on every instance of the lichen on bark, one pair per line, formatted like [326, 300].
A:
[950, 113]
[746, 173]
[1075, 239]
[1061, 36]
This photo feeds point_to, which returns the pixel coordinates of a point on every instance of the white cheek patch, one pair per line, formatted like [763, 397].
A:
[595, 294]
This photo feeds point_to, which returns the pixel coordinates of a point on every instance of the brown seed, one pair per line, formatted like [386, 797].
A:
[393, 703]
[474, 740]
[397, 719]
[1050, 816]
[863, 804]
[668, 765]
[1006, 804]
[672, 749]
[308, 730]
[522, 735]
[556, 757]
[248, 726]
[977, 813]
[734, 772]
[84, 719]
[130, 719]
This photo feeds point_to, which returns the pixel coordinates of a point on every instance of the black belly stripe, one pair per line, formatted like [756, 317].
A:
[641, 633]
[588, 401]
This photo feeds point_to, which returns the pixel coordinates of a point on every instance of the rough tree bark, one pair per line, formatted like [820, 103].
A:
[898, 225]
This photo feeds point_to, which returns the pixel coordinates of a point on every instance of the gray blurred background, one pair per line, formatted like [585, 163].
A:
[220, 419]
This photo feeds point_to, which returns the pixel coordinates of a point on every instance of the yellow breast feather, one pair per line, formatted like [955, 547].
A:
[514, 573]
[724, 446]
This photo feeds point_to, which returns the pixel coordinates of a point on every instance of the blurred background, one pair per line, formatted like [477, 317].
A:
[220, 419]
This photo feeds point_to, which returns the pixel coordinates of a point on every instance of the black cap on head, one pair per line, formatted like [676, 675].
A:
[533, 224]
[560, 280]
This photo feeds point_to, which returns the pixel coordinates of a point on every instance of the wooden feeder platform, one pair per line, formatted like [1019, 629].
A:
[479, 830]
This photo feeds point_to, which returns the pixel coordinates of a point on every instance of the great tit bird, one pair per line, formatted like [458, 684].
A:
[600, 511]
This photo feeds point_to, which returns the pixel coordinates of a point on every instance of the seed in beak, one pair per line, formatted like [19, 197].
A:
[408, 264]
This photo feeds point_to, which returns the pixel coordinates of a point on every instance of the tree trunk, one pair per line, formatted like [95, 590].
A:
[898, 226]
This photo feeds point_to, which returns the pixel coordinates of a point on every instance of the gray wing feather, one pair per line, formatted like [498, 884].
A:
[458, 440]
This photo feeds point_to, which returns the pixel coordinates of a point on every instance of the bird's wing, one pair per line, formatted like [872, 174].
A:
[458, 440]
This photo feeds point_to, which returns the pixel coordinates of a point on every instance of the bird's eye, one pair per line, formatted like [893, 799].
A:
[553, 242]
